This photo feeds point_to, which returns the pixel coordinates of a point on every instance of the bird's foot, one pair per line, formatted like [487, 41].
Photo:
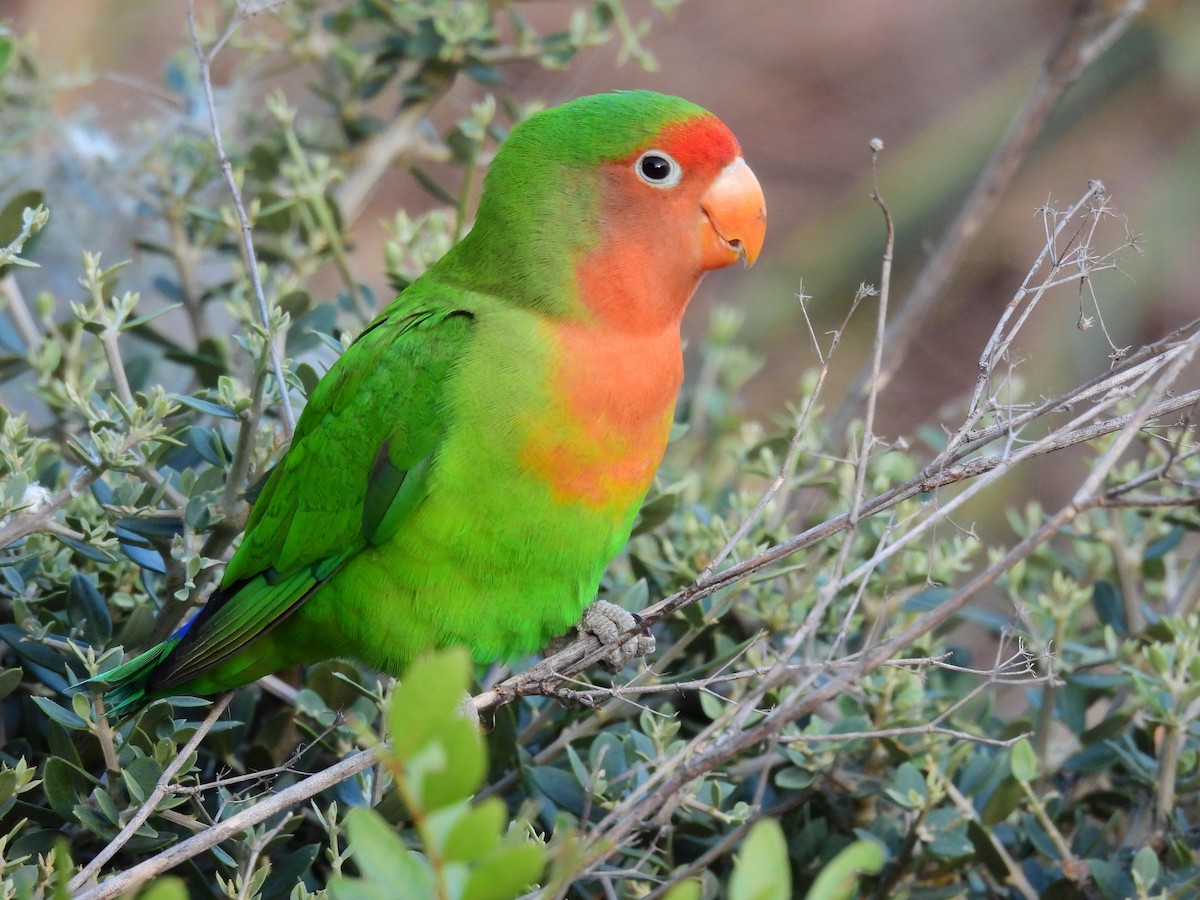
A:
[608, 622]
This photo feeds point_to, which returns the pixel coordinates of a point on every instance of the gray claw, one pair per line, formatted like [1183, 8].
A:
[607, 621]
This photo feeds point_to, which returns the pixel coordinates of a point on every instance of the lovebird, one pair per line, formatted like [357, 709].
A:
[465, 471]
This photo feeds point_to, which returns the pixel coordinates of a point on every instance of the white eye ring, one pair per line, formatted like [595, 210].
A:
[658, 169]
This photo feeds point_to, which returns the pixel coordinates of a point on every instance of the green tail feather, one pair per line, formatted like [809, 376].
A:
[126, 684]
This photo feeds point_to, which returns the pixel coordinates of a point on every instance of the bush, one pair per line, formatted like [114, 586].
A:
[852, 691]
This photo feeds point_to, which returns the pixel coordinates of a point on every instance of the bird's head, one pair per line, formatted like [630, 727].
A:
[628, 198]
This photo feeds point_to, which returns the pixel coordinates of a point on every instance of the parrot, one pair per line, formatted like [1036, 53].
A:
[465, 471]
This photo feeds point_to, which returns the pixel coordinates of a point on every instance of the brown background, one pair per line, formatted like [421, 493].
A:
[806, 86]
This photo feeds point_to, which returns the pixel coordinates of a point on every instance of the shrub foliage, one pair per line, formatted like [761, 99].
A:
[853, 691]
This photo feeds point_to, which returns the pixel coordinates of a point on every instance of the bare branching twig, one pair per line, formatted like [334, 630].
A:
[1090, 28]
[161, 789]
[205, 58]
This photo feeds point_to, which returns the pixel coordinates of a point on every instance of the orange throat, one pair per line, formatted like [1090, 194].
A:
[611, 403]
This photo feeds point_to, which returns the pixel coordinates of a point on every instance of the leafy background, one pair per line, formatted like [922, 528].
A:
[1041, 743]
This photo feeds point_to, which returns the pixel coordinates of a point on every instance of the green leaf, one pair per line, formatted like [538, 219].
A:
[761, 870]
[9, 680]
[94, 822]
[561, 788]
[1164, 544]
[1111, 881]
[985, 850]
[8, 788]
[64, 717]
[656, 511]
[508, 872]
[12, 222]
[167, 888]
[461, 764]
[140, 777]
[63, 786]
[1108, 727]
[302, 336]
[87, 551]
[951, 845]
[1145, 868]
[1109, 608]
[685, 890]
[425, 700]
[712, 706]
[474, 832]
[208, 444]
[909, 789]
[793, 778]
[1000, 805]
[205, 406]
[839, 879]
[1023, 761]
[149, 317]
[437, 753]
[391, 869]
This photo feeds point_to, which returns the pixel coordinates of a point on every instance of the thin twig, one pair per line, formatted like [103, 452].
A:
[256, 849]
[18, 310]
[909, 731]
[1087, 32]
[161, 789]
[205, 60]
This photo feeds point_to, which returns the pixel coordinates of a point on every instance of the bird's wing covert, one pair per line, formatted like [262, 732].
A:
[367, 435]
[356, 464]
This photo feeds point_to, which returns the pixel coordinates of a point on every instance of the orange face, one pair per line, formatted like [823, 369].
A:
[667, 214]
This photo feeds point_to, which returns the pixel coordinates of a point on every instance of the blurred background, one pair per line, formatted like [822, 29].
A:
[805, 87]
[127, 157]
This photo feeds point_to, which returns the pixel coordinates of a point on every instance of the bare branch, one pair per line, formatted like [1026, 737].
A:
[161, 789]
[1091, 26]
[18, 310]
[205, 60]
[283, 801]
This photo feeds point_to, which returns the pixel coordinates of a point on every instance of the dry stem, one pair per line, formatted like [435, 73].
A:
[1090, 28]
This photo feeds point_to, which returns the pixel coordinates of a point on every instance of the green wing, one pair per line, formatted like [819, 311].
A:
[369, 428]
[355, 467]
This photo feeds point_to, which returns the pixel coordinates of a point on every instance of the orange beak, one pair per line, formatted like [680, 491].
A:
[735, 218]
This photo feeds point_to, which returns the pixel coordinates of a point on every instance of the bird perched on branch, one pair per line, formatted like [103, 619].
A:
[465, 471]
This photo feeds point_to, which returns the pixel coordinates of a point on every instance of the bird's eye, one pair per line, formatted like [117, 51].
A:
[658, 169]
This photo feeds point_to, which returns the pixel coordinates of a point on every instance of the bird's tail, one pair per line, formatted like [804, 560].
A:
[125, 686]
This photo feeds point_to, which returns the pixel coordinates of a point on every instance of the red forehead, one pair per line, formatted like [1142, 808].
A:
[701, 141]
